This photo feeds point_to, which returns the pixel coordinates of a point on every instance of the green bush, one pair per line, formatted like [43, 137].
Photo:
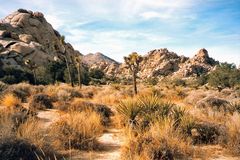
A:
[152, 81]
[11, 75]
[96, 73]
[225, 75]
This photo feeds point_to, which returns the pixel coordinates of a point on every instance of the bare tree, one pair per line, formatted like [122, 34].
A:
[62, 41]
[78, 62]
[133, 61]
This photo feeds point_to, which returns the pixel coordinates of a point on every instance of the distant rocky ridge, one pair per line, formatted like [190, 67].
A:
[27, 35]
[100, 61]
[161, 62]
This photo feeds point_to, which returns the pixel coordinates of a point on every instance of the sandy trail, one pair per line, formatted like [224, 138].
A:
[48, 116]
[109, 143]
[110, 147]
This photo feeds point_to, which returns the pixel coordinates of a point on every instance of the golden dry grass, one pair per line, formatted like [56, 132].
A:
[76, 130]
[161, 141]
[9, 100]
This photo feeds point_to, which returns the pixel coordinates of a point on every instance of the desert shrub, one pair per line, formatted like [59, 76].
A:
[3, 87]
[205, 133]
[129, 109]
[43, 75]
[233, 134]
[9, 100]
[77, 130]
[104, 111]
[225, 75]
[13, 148]
[26, 142]
[21, 90]
[139, 113]
[55, 70]
[40, 101]
[202, 79]
[13, 75]
[236, 106]
[214, 103]
[152, 81]
[96, 73]
[6, 124]
[22, 137]
[162, 141]
[178, 82]
[157, 92]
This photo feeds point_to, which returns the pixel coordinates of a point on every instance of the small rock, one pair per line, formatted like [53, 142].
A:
[21, 48]
[25, 38]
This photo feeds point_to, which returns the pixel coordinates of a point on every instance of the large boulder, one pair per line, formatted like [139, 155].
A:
[214, 103]
[31, 36]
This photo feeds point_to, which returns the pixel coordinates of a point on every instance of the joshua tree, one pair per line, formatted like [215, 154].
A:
[32, 66]
[133, 61]
[78, 62]
[62, 41]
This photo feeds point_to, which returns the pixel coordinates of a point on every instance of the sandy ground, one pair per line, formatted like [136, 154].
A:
[110, 143]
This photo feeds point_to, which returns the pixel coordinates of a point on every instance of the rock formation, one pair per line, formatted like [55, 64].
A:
[27, 35]
[100, 61]
[201, 63]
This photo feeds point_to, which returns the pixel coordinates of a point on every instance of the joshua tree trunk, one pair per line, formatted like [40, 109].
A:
[79, 75]
[69, 72]
[34, 76]
[134, 83]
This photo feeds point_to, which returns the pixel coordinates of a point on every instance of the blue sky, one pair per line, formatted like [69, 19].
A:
[118, 27]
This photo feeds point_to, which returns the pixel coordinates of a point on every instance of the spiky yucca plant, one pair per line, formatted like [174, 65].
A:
[129, 109]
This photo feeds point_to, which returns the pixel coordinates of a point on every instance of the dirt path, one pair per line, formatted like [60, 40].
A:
[109, 143]
[48, 116]
[215, 152]
[110, 147]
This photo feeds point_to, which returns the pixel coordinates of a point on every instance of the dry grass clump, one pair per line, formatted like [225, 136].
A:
[3, 87]
[80, 105]
[111, 95]
[13, 148]
[233, 134]
[40, 101]
[154, 129]
[21, 90]
[77, 130]
[161, 141]
[10, 101]
[23, 139]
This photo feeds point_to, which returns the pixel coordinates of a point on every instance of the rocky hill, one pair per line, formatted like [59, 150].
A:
[27, 35]
[161, 62]
[100, 61]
